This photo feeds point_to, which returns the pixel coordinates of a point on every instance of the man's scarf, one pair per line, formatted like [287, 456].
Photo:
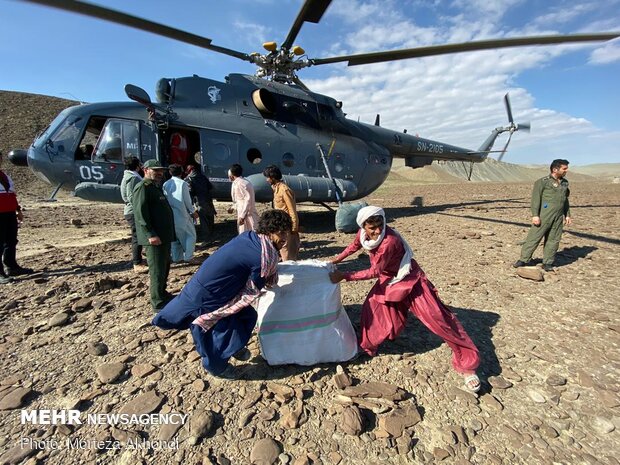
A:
[362, 216]
[249, 293]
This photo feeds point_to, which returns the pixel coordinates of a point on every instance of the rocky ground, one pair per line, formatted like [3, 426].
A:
[77, 335]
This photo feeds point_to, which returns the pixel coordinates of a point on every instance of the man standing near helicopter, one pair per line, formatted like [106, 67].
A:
[284, 199]
[550, 211]
[155, 229]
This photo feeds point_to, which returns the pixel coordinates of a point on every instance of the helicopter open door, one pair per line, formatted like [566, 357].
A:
[118, 139]
[100, 176]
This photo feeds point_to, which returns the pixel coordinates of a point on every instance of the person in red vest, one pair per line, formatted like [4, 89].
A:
[10, 214]
[178, 149]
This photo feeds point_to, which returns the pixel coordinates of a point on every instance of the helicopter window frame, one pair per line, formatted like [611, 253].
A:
[123, 150]
[64, 138]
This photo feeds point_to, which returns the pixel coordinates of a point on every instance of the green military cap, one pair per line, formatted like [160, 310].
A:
[153, 165]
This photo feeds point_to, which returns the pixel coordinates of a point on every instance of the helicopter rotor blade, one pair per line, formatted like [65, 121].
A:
[523, 127]
[311, 11]
[432, 50]
[508, 108]
[118, 17]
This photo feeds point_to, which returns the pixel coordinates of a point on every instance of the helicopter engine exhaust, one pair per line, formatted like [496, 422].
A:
[264, 101]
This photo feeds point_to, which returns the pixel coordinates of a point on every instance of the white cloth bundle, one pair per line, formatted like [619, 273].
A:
[302, 320]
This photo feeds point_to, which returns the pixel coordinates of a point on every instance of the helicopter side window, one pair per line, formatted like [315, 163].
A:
[119, 139]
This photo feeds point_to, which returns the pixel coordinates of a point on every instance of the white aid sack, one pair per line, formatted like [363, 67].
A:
[302, 320]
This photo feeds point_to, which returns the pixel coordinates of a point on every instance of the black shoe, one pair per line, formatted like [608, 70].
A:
[229, 373]
[548, 267]
[19, 271]
[519, 264]
[243, 355]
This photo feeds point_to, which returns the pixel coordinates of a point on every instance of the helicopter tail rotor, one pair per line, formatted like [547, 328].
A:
[512, 127]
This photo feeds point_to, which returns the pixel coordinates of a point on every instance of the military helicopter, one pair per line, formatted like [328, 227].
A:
[269, 118]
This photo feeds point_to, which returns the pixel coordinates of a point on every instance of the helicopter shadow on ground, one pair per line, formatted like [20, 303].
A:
[393, 213]
[583, 235]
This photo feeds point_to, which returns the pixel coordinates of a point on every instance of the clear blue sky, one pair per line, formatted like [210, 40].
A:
[568, 93]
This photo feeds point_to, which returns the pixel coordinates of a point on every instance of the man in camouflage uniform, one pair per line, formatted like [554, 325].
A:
[155, 229]
[550, 211]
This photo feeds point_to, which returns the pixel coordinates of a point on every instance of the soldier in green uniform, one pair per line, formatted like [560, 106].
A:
[550, 211]
[155, 229]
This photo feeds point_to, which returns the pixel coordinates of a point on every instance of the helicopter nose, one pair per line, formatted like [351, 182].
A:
[18, 157]
[40, 164]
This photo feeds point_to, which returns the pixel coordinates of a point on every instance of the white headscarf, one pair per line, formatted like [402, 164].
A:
[405, 263]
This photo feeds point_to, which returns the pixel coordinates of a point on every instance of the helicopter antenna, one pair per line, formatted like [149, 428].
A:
[82, 102]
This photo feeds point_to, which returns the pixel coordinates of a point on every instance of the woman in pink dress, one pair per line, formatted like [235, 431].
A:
[402, 287]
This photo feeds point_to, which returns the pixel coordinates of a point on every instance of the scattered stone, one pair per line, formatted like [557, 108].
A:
[530, 272]
[199, 385]
[265, 452]
[536, 396]
[142, 370]
[375, 389]
[96, 349]
[491, 401]
[556, 380]
[250, 399]
[602, 425]
[440, 454]
[82, 305]
[289, 416]
[15, 399]
[570, 395]
[608, 398]
[200, 425]
[396, 421]
[499, 383]
[60, 319]
[341, 379]
[351, 422]
[267, 414]
[549, 432]
[281, 392]
[142, 404]
[110, 372]
[17, 454]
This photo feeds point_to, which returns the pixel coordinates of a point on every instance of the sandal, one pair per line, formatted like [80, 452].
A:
[472, 382]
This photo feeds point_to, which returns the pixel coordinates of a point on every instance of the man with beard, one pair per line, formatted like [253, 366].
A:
[550, 212]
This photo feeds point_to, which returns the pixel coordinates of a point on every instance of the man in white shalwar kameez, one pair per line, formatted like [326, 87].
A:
[242, 193]
[177, 193]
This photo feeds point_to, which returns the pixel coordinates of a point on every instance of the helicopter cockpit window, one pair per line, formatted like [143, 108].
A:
[288, 159]
[65, 137]
[119, 139]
